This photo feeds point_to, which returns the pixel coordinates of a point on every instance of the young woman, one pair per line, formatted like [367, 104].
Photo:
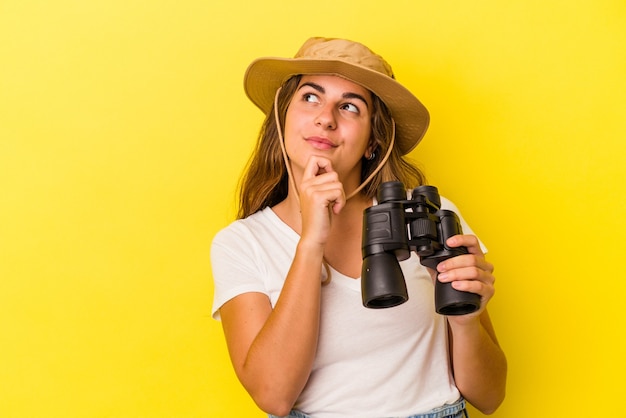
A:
[287, 273]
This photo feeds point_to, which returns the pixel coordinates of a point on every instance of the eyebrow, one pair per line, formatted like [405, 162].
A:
[347, 95]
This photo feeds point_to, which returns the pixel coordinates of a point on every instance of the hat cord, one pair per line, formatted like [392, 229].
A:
[292, 181]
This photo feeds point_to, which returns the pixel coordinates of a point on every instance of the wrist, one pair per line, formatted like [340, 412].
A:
[467, 324]
[310, 246]
[309, 252]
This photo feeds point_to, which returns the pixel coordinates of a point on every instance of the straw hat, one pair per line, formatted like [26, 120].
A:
[348, 59]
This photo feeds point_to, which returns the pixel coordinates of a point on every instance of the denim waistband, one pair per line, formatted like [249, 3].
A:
[455, 410]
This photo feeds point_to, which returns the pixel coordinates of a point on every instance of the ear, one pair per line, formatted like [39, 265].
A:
[369, 150]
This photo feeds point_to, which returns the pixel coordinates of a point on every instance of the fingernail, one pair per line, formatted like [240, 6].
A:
[442, 276]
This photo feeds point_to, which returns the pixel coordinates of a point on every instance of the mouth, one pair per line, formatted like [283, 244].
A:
[320, 143]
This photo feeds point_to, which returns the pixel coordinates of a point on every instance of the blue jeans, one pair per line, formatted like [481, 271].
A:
[455, 410]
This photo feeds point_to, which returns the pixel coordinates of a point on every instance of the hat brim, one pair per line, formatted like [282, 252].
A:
[265, 75]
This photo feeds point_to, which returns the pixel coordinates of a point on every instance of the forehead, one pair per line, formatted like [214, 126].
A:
[335, 82]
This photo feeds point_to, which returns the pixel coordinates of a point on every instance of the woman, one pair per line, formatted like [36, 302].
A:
[287, 273]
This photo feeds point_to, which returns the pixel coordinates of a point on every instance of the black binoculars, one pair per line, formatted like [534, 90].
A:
[397, 226]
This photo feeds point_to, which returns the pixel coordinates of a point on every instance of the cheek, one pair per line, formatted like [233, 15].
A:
[293, 120]
[365, 136]
[290, 132]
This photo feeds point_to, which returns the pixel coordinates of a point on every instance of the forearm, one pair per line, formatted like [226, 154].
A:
[479, 364]
[280, 358]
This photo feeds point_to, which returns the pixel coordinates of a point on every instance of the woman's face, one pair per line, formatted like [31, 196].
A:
[329, 116]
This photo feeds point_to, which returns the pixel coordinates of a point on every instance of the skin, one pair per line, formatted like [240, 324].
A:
[327, 133]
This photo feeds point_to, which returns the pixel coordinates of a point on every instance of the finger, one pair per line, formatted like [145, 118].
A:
[485, 291]
[467, 274]
[469, 241]
[465, 260]
[325, 180]
[339, 202]
[325, 192]
[317, 166]
[331, 195]
[321, 186]
[470, 280]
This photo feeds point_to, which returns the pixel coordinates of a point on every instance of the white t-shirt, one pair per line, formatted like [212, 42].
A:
[369, 362]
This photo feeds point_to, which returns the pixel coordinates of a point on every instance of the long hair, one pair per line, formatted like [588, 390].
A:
[265, 180]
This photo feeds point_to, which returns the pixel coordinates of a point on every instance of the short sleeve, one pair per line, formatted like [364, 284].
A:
[234, 268]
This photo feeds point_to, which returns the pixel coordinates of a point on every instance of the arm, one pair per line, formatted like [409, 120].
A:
[272, 350]
[478, 362]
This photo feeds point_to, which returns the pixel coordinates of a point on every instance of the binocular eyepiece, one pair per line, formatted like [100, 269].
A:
[396, 227]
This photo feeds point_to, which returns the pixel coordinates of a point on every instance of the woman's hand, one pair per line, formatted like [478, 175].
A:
[468, 272]
[321, 194]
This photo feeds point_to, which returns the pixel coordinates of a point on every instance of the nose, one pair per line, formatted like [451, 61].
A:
[326, 118]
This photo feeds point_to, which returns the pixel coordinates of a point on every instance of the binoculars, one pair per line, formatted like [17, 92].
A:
[397, 226]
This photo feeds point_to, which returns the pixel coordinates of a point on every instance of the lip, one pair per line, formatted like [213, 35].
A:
[320, 143]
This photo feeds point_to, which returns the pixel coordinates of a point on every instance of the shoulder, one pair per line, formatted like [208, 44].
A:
[447, 204]
[242, 228]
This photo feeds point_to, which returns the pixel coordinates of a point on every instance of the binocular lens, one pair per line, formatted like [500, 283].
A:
[382, 282]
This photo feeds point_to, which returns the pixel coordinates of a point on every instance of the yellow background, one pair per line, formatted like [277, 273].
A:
[123, 130]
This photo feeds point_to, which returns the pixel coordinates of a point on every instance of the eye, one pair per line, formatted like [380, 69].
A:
[310, 97]
[350, 108]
